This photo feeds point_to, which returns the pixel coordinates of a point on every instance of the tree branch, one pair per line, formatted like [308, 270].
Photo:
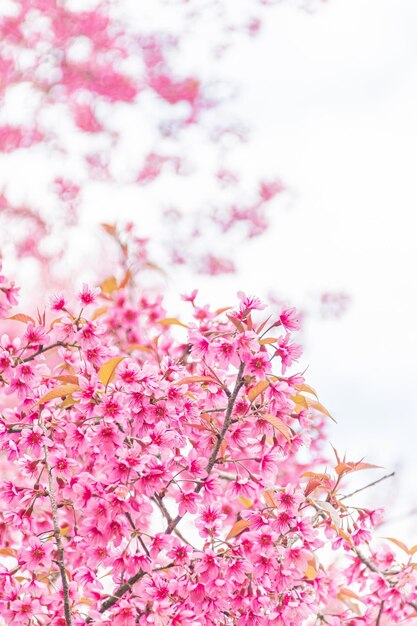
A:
[375, 482]
[378, 619]
[42, 349]
[173, 523]
[58, 541]
[220, 437]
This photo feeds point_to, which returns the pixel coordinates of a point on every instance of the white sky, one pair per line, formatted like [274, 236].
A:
[334, 100]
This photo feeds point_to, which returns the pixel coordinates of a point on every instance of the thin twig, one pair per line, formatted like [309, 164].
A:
[45, 349]
[375, 482]
[378, 619]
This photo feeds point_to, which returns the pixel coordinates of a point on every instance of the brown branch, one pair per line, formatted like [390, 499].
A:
[173, 523]
[127, 586]
[220, 437]
[58, 541]
[381, 609]
[42, 349]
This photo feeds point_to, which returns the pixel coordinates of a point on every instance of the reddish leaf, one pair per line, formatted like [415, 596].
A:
[21, 317]
[262, 326]
[236, 322]
[237, 528]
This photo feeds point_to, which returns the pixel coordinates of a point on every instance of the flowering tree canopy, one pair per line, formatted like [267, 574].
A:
[155, 473]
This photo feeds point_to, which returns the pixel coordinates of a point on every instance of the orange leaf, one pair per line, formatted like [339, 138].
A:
[346, 537]
[109, 285]
[100, 311]
[138, 346]
[223, 310]
[279, 425]
[347, 467]
[246, 502]
[58, 392]
[307, 389]
[315, 483]
[262, 326]
[69, 401]
[257, 389]
[171, 321]
[109, 228]
[344, 591]
[317, 406]
[7, 552]
[300, 403]
[315, 475]
[311, 571]
[125, 279]
[267, 341]
[238, 528]
[66, 378]
[400, 544]
[269, 498]
[188, 380]
[21, 317]
[107, 371]
[55, 321]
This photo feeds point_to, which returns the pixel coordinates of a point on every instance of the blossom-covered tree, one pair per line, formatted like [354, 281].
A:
[155, 472]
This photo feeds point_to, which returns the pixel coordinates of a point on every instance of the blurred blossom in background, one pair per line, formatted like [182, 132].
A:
[329, 93]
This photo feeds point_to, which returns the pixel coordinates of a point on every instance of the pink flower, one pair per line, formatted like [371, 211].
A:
[187, 502]
[57, 302]
[287, 352]
[248, 304]
[200, 345]
[210, 520]
[288, 499]
[38, 554]
[87, 295]
[259, 364]
[36, 335]
[62, 464]
[289, 319]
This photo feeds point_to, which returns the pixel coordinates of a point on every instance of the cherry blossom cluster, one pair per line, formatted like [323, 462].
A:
[171, 473]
